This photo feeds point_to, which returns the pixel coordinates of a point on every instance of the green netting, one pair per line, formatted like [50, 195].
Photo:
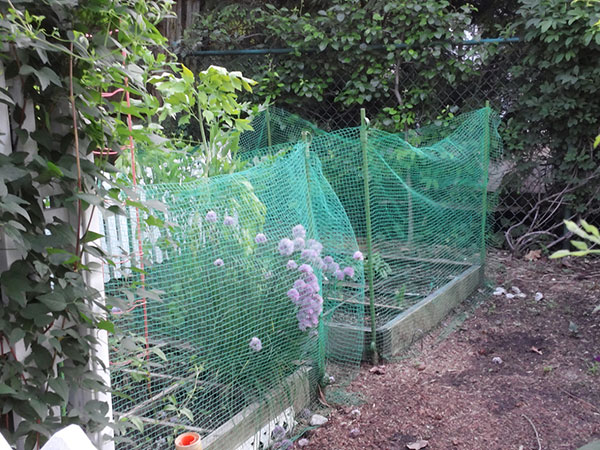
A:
[224, 288]
[226, 280]
[428, 198]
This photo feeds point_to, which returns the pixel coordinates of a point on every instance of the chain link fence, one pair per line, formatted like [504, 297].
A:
[305, 84]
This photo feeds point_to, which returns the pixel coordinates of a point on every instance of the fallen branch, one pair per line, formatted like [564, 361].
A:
[537, 436]
[588, 404]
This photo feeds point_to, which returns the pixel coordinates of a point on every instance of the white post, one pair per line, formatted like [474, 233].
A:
[95, 279]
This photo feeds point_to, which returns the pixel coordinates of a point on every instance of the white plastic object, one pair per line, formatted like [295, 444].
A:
[69, 438]
[3, 444]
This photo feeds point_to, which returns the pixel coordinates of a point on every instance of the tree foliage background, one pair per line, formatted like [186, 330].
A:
[404, 62]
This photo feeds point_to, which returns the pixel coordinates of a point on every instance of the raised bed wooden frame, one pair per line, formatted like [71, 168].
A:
[400, 332]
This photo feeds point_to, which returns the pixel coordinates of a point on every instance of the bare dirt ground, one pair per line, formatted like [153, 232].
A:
[500, 373]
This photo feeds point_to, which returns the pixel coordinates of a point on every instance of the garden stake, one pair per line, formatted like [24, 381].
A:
[268, 119]
[486, 163]
[363, 144]
[312, 228]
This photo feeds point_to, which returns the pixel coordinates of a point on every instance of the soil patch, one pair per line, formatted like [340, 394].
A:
[477, 383]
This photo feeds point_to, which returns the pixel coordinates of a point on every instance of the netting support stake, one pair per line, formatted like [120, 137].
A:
[312, 228]
[486, 164]
[363, 145]
[268, 119]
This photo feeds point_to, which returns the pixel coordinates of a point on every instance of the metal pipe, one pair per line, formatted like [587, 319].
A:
[280, 51]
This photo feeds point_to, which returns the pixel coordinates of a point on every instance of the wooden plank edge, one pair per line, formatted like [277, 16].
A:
[246, 423]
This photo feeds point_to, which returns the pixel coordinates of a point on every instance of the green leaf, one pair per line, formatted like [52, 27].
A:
[187, 74]
[91, 236]
[6, 390]
[158, 352]
[55, 301]
[137, 423]
[580, 245]
[54, 169]
[591, 229]
[16, 335]
[42, 357]
[106, 325]
[187, 413]
[40, 409]
[59, 385]
[560, 254]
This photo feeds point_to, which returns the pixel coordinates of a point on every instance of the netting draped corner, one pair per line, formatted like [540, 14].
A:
[428, 195]
[263, 273]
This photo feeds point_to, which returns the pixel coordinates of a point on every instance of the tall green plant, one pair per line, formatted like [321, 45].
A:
[333, 59]
[555, 116]
[60, 57]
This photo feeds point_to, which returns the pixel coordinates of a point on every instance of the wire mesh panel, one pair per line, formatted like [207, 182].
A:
[242, 275]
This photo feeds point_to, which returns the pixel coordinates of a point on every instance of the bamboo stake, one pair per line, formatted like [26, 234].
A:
[268, 119]
[486, 164]
[363, 144]
[313, 233]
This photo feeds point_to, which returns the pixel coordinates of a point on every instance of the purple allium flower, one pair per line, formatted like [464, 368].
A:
[311, 278]
[291, 264]
[305, 268]
[116, 310]
[315, 245]
[278, 432]
[319, 263]
[339, 275]
[308, 254]
[358, 256]
[293, 294]
[211, 216]
[255, 344]
[260, 238]
[299, 231]
[228, 220]
[328, 260]
[218, 262]
[333, 267]
[349, 272]
[286, 247]
[298, 244]
[597, 358]
[299, 284]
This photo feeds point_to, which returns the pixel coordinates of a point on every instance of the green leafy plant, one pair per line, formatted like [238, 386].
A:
[587, 246]
[210, 100]
[360, 57]
[554, 119]
[59, 60]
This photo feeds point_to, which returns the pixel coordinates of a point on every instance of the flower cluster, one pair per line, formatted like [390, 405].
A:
[255, 344]
[305, 292]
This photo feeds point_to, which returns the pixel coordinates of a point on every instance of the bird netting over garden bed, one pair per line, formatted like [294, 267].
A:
[427, 194]
[243, 275]
[264, 267]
